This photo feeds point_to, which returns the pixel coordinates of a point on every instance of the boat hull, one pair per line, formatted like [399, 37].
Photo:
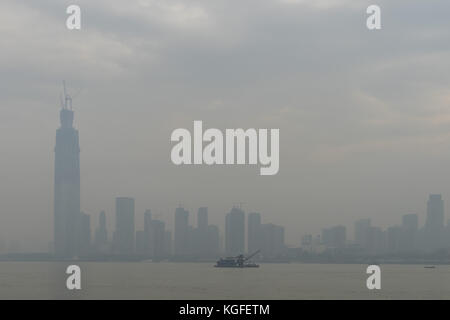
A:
[249, 266]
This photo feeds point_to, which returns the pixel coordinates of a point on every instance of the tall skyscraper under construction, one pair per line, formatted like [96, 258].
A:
[67, 215]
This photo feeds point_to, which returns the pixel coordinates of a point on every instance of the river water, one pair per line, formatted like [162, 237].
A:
[147, 280]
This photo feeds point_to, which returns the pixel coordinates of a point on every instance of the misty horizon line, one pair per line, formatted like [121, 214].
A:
[247, 213]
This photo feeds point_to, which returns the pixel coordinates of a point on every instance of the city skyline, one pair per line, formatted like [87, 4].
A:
[363, 117]
[224, 158]
[73, 233]
[206, 240]
[237, 236]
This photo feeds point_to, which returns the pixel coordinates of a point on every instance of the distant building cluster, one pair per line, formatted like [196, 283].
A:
[72, 228]
[405, 238]
[189, 243]
[154, 241]
[202, 241]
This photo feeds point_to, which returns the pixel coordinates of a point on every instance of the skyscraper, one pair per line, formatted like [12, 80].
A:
[376, 241]
[67, 215]
[167, 243]
[410, 228]
[254, 232]
[272, 240]
[235, 232]
[410, 221]
[334, 237]
[124, 235]
[394, 239]
[200, 236]
[435, 212]
[362, 233]
[158, 237]
[202, 218]
[434, 224]
[181, 237]
[147, 237]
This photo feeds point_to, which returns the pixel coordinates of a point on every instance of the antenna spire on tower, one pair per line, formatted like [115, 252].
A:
[67, 98]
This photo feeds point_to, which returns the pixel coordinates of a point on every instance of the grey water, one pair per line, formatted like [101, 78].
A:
[147, 280]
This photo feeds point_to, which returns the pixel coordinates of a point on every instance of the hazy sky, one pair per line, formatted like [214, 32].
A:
[364, 116]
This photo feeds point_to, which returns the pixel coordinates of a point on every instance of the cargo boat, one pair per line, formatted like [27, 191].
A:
[239, 261]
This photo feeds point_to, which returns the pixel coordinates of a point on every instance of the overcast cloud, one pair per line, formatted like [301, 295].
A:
[364, 116]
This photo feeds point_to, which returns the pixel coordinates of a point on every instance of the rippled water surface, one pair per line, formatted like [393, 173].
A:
[41, 280]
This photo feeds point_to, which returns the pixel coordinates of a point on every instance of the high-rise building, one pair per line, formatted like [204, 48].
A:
[434, 224]
[410, 222]
[67, 215]
[376, 241]
[147, 235]
[394, 239]
[147, 220]
[362, 233]
[254, 232]
[192, 237]
[202, 218]
[334, 237]
[199, 243]
[124, 235]
[181, 236]
[140, 242]
[158, 237]
[307, 243]
[410, 230]
[235, 232]
[101, 234]
[435, 212]
[272, 240]
[167, 243]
